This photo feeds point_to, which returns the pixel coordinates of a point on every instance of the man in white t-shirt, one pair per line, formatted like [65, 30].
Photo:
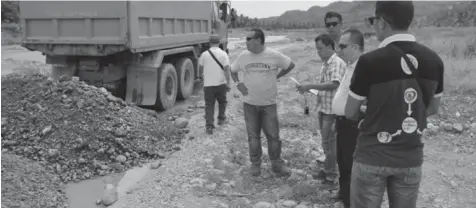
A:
[216, 81]
[260, 66]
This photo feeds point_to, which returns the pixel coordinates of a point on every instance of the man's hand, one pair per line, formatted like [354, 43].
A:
[228, 87]
[242, 88]
[303, 88]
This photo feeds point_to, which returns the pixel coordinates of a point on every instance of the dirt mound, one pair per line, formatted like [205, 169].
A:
[78, 130]
[25, 183]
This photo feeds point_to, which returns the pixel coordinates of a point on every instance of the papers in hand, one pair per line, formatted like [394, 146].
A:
[313, 91]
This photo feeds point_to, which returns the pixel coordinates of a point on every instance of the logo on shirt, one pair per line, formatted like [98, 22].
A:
[409, 124]
[257, 67]
[405, 67]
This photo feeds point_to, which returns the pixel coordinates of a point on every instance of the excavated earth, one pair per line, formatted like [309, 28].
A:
[79, 131]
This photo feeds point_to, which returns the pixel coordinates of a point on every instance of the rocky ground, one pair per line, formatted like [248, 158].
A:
[210, 171]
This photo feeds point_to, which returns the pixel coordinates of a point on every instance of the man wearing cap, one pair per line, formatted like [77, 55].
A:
[214, 69]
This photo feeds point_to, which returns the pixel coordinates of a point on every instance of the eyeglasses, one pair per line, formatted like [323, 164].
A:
[333, 24]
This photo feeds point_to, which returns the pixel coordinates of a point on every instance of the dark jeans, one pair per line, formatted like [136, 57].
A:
[266, 118]
[347, 133]
[369, 183]
[327, 127]
[213, 94]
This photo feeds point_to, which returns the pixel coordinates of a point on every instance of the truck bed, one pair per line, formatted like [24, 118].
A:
[128, 25]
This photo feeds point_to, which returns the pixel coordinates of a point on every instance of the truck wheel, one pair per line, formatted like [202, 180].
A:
[186, 77]
[167, 87]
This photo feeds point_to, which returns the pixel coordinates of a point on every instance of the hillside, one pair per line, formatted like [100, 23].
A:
[444, 13]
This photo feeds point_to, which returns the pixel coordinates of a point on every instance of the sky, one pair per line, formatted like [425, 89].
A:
[269, 8]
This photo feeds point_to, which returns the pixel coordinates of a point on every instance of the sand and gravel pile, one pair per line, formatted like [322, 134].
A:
[77, 130]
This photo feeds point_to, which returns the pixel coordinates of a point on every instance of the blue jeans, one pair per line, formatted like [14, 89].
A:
[368, 184]
[264, 118]
[329, 145]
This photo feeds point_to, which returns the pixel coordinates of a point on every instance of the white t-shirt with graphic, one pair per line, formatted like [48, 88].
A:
[260, 71]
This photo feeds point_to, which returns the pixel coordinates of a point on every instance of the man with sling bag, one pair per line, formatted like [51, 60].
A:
[214, 69]
[402, 82]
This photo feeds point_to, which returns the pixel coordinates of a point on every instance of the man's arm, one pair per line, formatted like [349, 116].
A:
[227, 74]
[323, 86]
[200, 67]
[285, 63]
[286, 71]
[235, 68]
[359, 89]
[352, 108]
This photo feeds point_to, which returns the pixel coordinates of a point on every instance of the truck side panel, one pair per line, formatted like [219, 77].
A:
[166, 24]
[74, 22]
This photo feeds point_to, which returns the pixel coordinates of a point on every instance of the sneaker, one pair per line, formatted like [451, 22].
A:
[321, 175]
[281, 170]
[255, 170]
[221, 121]
[329, 185]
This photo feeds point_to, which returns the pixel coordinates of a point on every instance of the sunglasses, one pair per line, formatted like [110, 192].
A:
[250, 38]
[342, 46]
[333, 24]
[371, 20]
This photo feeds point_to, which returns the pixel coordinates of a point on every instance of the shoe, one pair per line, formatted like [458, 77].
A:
[221, 121]
[329, 185]
[321, 175]
[281, 170]
[255, 170]
[209, 130]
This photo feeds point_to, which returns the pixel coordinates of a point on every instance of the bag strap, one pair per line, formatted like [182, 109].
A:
[407, 60]
[412, 68]
[215, 58]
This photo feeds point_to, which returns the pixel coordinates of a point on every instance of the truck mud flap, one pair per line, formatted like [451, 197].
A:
[141, 85]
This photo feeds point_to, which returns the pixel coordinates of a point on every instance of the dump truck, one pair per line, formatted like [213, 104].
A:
[145, 52]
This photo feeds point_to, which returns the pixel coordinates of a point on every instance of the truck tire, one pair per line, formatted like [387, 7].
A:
[166, 87]
[186, 77]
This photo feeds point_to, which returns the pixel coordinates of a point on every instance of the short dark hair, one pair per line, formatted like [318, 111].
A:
[259, 34]
[326, 39]
[399, 14]
[356, 37]
[332, 14]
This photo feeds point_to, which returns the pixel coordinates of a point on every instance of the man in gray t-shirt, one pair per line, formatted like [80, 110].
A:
[260, 66]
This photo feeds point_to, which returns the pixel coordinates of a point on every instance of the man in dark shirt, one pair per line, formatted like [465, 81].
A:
[402, 82]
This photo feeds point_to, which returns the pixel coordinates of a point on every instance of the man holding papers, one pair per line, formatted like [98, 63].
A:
[331, 74]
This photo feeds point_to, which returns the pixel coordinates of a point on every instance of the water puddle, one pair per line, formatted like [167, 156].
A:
[84, 194]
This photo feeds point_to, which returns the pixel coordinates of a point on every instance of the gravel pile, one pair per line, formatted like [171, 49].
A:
[26, 183]
[77, 130]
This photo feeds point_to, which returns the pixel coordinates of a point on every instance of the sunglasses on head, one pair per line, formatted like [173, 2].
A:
[333, 24]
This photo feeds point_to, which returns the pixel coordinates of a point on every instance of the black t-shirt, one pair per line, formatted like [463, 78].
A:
[397, 101]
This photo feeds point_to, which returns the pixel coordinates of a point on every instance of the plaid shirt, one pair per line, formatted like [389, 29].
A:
[332, 70]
